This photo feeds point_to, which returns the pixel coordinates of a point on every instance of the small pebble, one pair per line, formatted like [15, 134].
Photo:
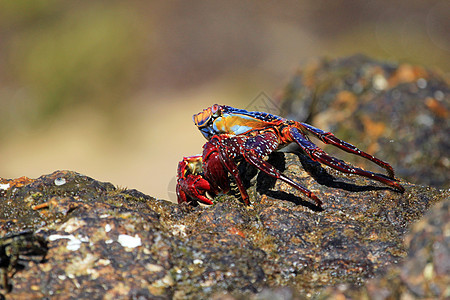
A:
[60, 181]
[129, 241]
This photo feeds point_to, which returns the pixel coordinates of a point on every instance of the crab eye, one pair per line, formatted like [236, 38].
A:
[215, 110]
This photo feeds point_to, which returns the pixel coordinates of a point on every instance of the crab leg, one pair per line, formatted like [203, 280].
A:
[329, 138]
[226, 156]
[257, 147]
[321, 156]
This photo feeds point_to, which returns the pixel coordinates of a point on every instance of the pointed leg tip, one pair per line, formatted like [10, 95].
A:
[396, 185]
[400, 188]
[317, 200]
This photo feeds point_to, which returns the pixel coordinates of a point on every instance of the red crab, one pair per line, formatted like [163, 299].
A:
[236, 134]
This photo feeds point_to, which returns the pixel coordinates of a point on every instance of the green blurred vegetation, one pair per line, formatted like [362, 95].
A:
[60, 55]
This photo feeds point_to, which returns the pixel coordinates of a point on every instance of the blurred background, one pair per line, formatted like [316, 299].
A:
[108, 88]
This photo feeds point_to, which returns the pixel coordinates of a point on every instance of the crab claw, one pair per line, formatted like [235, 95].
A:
[191, 185]
[194, 188]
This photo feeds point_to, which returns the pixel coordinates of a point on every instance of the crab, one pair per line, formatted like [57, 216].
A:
[234, 135]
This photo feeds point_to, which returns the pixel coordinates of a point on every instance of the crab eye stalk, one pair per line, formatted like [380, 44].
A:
[215, 110]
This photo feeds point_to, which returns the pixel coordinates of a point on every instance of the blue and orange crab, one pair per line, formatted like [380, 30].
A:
[235, 134]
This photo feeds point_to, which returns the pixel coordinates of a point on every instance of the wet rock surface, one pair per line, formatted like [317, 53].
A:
[113, 243]
[399, 112]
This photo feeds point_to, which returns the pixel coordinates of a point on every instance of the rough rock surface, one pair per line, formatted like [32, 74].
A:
[120, 243]
[424, 274]
[400, 112]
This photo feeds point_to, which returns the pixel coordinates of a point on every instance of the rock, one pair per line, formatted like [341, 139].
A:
[424, 274]
[117, 243]
[398, 112]
[367, 240]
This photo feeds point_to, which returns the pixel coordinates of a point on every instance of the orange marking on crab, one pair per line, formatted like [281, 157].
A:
[238, 125]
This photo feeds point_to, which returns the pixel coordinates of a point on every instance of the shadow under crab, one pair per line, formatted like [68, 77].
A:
[265, 184]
